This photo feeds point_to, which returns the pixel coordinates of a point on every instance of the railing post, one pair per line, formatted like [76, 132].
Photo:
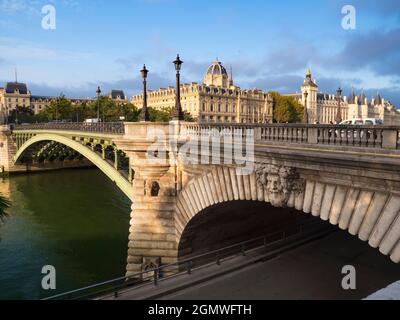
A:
[312, 135]
[155, 276]
[257, 134]
[116, 164]
[389, 138]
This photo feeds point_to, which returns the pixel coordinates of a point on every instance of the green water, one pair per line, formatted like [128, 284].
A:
[74, 220]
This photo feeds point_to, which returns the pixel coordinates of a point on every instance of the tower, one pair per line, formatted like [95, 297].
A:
[354, 111]
[363, 102]
[311, 88]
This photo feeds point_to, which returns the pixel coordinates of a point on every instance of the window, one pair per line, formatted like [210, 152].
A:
[219, 107]
[227, 108]
[204, 106]
[211, 107]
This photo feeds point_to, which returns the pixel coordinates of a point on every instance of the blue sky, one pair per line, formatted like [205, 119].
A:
[269, 44]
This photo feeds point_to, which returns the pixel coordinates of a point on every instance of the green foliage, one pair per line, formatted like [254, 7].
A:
[59, 109]
[21, 115]
[63, 109]
[286, 109]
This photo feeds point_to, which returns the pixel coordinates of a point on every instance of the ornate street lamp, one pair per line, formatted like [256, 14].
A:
[178, 113]
[305, 113]
[338, 118]
[144, 114]
[98, 92]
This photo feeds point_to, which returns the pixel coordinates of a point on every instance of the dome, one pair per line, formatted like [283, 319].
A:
[217, 69]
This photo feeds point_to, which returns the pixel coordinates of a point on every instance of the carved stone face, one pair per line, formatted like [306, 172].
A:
[279, 182]
[273, 183]
[275, 191]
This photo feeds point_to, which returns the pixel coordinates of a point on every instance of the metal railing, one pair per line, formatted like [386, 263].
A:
[104, 127]
[189, 265]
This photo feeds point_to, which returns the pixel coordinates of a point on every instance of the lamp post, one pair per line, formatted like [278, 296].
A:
[98, 92]
[338, 118]
[144, 114]
[178, 113]
[305, 113]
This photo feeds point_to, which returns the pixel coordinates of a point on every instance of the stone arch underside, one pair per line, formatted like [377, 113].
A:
[94, 158]
[371, 215]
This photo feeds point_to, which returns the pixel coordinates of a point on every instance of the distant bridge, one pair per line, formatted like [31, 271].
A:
[40, 143]
[349, 176]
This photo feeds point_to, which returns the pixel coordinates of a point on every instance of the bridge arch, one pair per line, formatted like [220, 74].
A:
[94, 158]
[371, 215]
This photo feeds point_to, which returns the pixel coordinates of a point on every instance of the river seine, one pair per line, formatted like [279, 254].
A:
[74, 220]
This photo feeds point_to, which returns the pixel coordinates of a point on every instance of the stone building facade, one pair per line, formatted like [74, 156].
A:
[322, 107]
[12, 95]
[216, 100]
[17, 94]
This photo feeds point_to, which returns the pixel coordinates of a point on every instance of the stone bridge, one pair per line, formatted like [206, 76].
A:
[190, 180]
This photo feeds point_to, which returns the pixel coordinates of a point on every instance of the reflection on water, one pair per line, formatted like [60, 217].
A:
[75, 220]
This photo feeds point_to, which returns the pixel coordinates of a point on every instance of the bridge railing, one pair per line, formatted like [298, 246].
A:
[105, 127]
[381, 137]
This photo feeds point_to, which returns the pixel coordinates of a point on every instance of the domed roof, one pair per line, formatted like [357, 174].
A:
[217, 69]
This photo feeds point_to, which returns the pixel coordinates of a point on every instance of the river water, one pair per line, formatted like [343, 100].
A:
[74, 220]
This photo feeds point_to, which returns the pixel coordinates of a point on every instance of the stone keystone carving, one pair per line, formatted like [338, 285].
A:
[279, 182]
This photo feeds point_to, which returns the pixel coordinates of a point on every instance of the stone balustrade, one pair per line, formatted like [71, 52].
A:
[380, 137]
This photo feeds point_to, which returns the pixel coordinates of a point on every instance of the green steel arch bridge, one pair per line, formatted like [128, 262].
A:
[45, 143]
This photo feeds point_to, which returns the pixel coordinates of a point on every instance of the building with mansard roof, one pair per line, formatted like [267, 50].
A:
[322, 107]
[216, 100]
[16, 94]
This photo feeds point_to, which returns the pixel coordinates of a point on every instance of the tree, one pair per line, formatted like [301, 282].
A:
[4, 205]
[21, 114]
[286, 109]
[59, 109]
[163, 115]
